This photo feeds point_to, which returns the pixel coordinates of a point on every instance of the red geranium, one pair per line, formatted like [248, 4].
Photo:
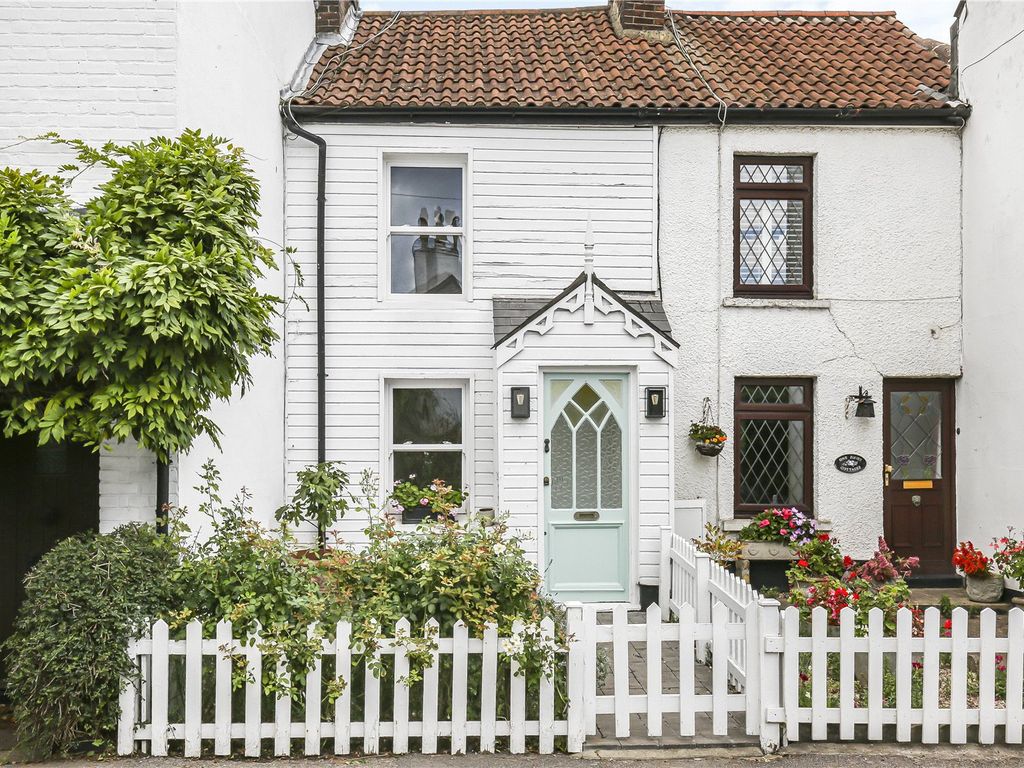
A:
[970, 561]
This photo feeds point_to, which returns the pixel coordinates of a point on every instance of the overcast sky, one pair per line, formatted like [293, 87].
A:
[929, 18]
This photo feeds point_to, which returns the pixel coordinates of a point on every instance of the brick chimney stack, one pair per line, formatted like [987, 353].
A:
[329, 15]
[639, 18]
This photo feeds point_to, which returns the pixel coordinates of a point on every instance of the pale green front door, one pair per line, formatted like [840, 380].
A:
[586, 491]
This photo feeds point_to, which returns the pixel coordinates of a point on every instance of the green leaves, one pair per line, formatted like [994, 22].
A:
[65, 660]
[319, 497]
[132, 318]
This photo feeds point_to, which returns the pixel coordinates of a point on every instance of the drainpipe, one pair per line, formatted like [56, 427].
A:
[163, 494]
[321, 363]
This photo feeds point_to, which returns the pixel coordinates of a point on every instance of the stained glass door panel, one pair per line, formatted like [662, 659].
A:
[587, 520]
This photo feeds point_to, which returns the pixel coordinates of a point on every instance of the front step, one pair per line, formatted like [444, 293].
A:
[926, 597]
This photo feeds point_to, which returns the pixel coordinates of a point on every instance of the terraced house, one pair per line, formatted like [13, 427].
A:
[545, 239]
[537, 245]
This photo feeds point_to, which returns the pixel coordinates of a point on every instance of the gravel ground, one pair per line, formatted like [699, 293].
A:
[798, 756]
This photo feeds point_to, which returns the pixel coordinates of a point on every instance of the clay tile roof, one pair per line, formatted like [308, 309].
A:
[573, 58]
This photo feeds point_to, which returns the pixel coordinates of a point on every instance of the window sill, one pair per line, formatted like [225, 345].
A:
[775, 303]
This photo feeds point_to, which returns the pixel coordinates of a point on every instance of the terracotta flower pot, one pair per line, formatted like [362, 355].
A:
[984, 589]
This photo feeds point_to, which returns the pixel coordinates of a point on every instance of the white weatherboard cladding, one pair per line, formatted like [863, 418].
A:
[605, 346]
[991, 446]
[887, 287]
[531, 190]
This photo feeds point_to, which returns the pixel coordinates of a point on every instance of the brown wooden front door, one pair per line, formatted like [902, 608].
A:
[47, 493]
[920, 468]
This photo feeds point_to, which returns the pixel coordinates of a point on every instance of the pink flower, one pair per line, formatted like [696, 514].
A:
[424, 501]
[763, 523]
[792, 523]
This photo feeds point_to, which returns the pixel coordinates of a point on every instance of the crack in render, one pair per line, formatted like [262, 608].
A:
[853, 348]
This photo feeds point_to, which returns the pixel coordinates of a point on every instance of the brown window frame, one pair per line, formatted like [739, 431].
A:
[765, 412]
[748, 191]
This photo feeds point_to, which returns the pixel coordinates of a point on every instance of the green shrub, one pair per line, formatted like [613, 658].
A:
[66, 658]
[254, 578]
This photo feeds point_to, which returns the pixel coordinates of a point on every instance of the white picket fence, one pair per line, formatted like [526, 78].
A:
[690, 577]
[789, 681]
[933, 675]
[688, 638]
[145, 699]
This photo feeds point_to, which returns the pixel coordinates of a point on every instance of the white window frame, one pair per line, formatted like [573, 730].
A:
[439, 158]
[427, 381]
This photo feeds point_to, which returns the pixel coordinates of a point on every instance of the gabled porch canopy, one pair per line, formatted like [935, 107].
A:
[517, 317]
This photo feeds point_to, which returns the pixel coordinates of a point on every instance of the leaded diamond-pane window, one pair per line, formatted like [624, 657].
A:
[771, 173]
[773, 227]
[774, 421]
[772, 394]
[772, 462]
[771, 242]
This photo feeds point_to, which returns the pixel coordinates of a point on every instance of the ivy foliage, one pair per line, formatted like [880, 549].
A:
[66, 658]
[130, 317]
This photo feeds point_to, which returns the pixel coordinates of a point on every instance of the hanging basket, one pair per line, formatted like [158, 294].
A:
[707, 436]
[709, 449]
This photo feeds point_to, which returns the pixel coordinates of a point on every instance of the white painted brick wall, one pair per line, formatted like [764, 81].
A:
[128, 485]
[96, 70]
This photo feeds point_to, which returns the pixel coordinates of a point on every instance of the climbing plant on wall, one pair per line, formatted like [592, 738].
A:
[130, 317]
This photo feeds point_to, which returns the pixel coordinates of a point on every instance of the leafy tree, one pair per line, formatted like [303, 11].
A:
[129, 318]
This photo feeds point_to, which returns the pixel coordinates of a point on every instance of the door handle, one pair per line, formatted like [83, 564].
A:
[887, 473]
[547, 480]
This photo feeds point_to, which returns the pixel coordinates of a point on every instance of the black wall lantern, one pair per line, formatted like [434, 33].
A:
[655, 403]
[520, 402]
[865, 404]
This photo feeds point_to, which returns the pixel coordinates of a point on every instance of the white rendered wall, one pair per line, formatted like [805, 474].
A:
[990, 454]
[233, 59]
[531, 190]
[887, 286]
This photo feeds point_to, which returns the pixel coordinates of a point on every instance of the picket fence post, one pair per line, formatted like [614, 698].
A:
[769, 674]
[575, 669]
[127, 701]
[665, 574]
[702, 596]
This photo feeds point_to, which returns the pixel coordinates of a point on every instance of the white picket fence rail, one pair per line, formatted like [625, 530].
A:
[932, 675]
[145, 698]
[690, 577]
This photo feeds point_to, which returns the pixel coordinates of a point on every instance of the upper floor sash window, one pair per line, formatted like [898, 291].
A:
[425, 218]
